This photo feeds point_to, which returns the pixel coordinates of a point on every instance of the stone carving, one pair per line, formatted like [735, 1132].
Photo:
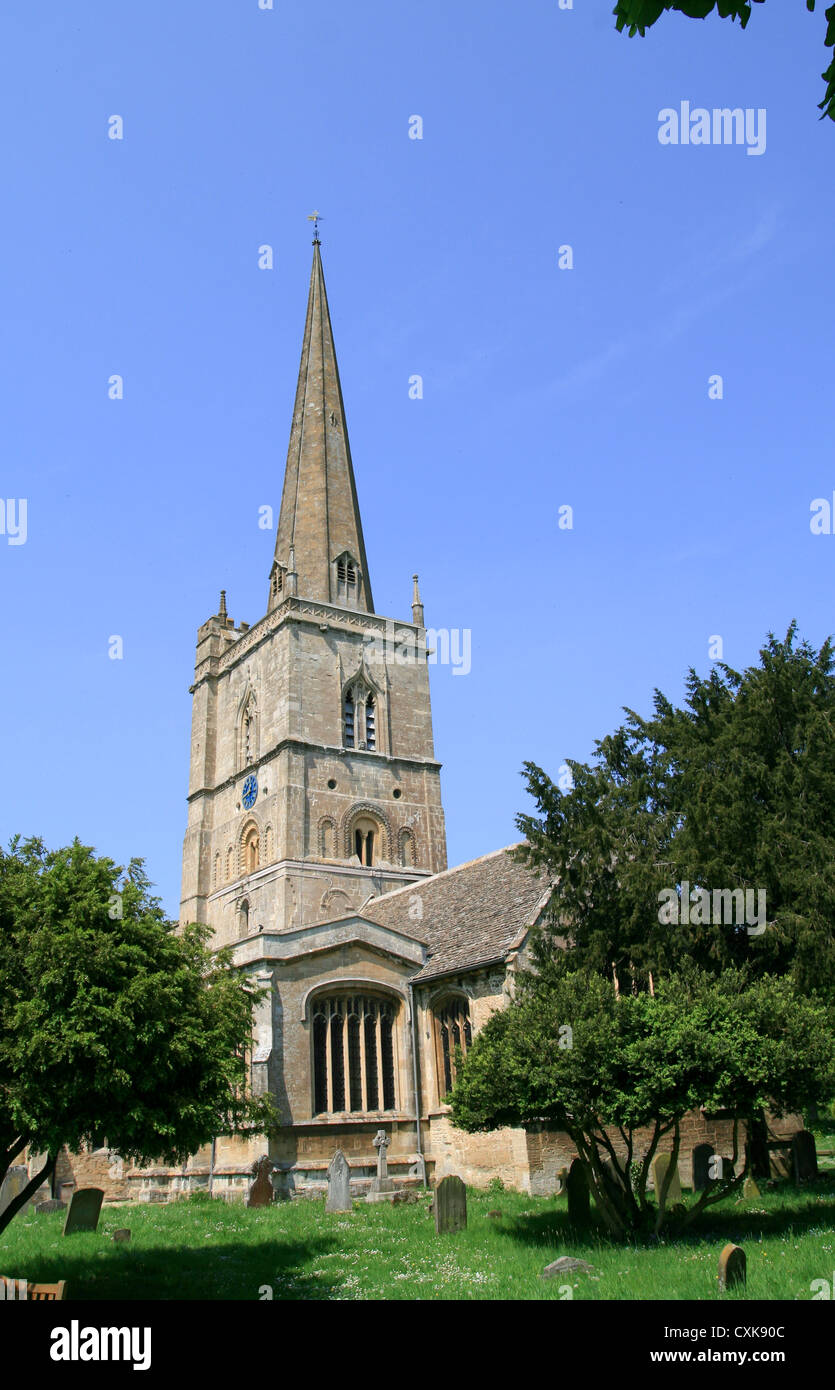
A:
[382, 1182]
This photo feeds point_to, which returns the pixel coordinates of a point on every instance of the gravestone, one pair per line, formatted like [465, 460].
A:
[577, 1189]
[660, 1165]
[13, 1184]
[122, 1236]
[261, 1192]
[561, 1179]
[732, 1264]
[702, 1155]
[781, 1163]
[339, 1184]
[749, 1188]
[804, 1156]
[382, 1182]
[51, 1204]
[450, 1205]
[566, 1264]
[83, 1214]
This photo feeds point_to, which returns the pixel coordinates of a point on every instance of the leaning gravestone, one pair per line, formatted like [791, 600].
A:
[577, 1189]
[781, 1163]
[732, 1265]
[804, 1156]
[660, 1165]
[339, 1184]
[749, 1188]
[51, 1204]
[83, 1214]
[561, 1179]
[13, 1184]
[702, 1155]
[450, 1205]
[261, 1192]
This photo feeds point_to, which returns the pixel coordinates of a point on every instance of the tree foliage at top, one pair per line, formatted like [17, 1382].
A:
[113, 1025]
[734, 790]
[639, 15]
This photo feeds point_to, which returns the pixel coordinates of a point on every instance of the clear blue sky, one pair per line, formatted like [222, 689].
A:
[542, 387]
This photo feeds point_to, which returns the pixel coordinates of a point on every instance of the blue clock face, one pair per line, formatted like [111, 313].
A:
[250, 792]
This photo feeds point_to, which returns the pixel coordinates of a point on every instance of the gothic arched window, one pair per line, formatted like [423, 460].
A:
[453, 1030]
[230, 863]
[407, 849]
[353, 1054]
[346, 578]
[370, 724]
[268, 845]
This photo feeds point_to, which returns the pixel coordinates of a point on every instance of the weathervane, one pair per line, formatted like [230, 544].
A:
[315, 217]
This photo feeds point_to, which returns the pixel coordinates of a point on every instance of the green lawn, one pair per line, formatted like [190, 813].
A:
[210, 1250]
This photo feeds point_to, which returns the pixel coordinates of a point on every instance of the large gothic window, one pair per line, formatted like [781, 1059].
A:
[353, 1055]
[452, 1030]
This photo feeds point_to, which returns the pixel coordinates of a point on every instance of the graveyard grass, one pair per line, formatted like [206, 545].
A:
[199, 1248]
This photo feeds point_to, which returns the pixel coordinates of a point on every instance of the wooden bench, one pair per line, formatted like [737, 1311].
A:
[36, 1293]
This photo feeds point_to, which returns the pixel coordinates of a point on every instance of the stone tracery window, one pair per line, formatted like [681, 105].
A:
[453, 1029]
[353, 1054]
[347, 577]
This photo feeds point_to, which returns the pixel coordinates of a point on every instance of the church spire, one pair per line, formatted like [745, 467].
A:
[320, 519]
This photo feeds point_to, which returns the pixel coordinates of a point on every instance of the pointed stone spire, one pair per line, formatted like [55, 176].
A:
[320, 519]
[417, 606]
[221, 613]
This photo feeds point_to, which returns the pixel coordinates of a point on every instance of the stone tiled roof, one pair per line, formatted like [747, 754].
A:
[472, 914]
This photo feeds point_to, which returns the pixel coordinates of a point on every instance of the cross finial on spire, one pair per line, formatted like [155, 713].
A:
[315, 218]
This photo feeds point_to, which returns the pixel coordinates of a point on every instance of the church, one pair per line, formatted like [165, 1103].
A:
[316, 850]
[316, 845]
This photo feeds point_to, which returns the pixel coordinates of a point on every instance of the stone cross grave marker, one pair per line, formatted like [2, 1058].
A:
[660, 1165]
[804, 1156]
[702, 1155]
[450, 1205]
[13, 1184]
[577, 1189]
[732, 1265]
[339, 1183]
[261, 1192]
[382, 1182]
[83, 1214]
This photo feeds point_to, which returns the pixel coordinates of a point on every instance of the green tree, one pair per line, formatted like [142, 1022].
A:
[618, 1074]
[733, 791]
[639, 15]
[112, 1023]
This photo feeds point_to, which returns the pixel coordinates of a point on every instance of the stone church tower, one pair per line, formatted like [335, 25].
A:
[313, 783]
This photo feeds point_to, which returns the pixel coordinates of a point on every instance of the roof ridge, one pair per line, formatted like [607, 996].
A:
[444, 873]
